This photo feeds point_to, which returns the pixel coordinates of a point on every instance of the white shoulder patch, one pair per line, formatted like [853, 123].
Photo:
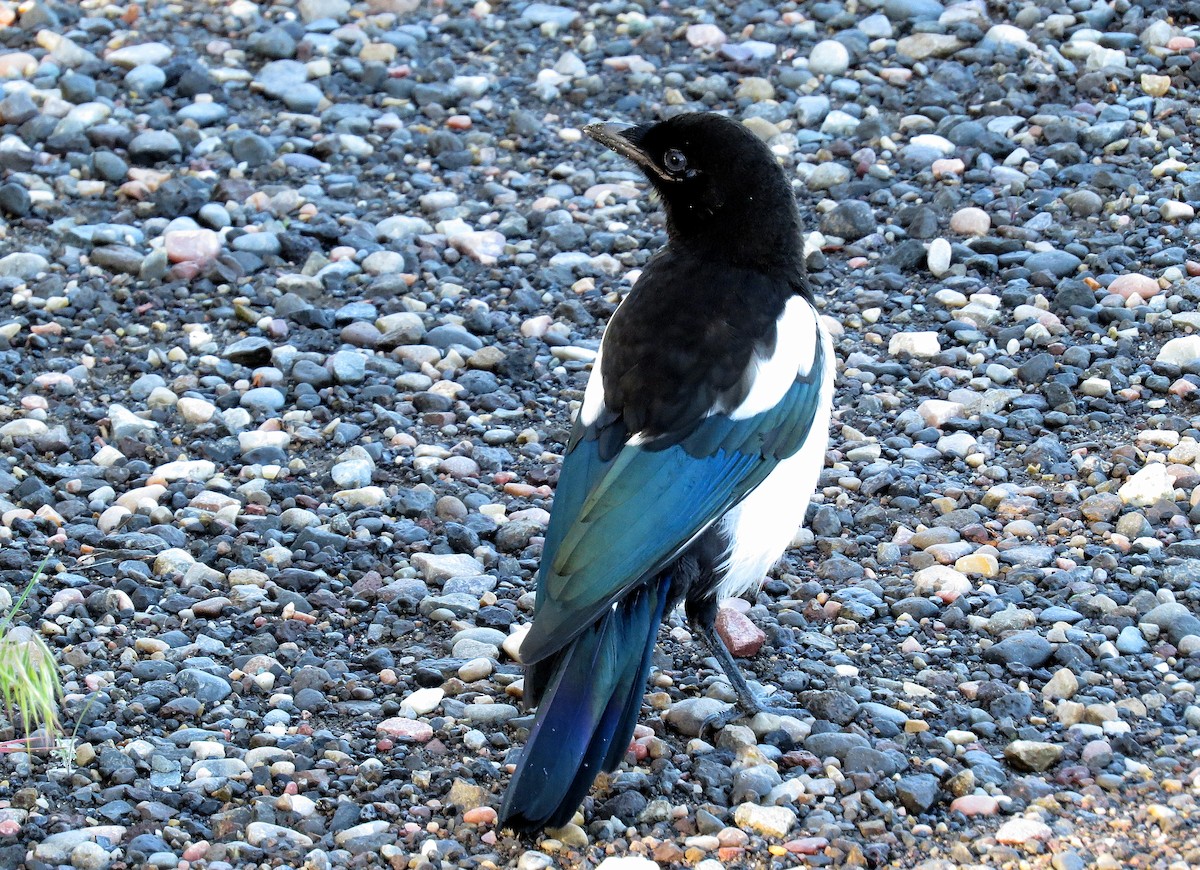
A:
[593, 394]
[593, 402]
[795, 348]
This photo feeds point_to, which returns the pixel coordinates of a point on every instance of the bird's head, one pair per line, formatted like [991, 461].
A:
[719, 183]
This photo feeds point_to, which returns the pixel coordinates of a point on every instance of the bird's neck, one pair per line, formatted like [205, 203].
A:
[778, 250]
[756, 235]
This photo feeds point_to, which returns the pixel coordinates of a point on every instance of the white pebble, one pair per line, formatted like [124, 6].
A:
[918, 344]
[1180, 351]
[424, 701]
[829, 57]
[1172, 210]
[1149, 486]
[195, 411]
[939, 257]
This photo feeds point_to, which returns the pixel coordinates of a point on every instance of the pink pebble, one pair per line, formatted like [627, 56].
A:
[9, 828]
[806, 845]
[975, 805]
[1127, 285]
[705, 36]
[733, 837]
[192, 246]
[948, 166]
[741, 605]
[407, 730]
[480, 816]
[1099, 751]
[185, 271]
[741, 636]
[196, 851]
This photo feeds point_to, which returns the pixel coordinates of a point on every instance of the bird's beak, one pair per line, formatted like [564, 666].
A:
[625, 139]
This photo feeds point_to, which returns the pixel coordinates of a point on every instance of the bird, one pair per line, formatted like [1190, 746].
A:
[691, 461]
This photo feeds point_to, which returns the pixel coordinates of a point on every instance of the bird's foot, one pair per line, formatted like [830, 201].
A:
[747, 699]
[716, 723]
[772, 709]
[748, 705]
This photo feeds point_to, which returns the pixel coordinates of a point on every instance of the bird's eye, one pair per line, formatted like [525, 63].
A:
[674, 161]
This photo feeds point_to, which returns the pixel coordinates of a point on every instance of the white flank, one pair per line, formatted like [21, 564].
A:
[793, 354]
[764, 522]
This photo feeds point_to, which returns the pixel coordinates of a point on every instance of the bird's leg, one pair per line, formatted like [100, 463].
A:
[746, 696]
[703, 620]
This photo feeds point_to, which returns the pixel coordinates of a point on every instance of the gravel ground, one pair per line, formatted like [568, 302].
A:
[296, 300]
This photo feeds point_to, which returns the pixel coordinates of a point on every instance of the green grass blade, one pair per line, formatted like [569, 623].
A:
[30, 689]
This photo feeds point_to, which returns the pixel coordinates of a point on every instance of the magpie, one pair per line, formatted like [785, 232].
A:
[689, 468]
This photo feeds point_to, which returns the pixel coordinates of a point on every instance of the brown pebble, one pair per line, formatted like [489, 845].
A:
[361, 334]
[210, 607]
[450, 507]
[668, 853]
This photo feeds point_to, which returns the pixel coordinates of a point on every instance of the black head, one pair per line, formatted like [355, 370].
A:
[721, 186]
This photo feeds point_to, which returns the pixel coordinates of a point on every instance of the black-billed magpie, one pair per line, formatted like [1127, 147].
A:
[698, 444]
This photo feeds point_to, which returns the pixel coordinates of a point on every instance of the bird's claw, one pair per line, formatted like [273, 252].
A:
[752, 706]
[782, 711]
[716, 723]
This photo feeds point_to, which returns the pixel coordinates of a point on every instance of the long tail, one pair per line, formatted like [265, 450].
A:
[587, 712]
